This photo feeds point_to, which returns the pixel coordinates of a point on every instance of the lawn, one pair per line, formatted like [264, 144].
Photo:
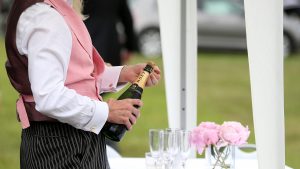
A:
[223, 94]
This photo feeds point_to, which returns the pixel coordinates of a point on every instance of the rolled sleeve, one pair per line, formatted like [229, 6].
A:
[110, 78]
[99, 118]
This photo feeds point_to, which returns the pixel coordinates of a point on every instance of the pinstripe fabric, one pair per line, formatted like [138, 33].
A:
[54, 145]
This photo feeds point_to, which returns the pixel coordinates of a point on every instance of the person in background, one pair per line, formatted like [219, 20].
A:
[110, 25]
[4, 8]
[52, 63]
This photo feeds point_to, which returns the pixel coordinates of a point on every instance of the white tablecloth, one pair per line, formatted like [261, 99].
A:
[139, 163]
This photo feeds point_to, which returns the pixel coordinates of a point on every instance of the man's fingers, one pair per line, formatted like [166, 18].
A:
[136, 113]
[124, 111]
[132, 119]
[128, 125]
[136, 102]
[156, 70]
[154, 79]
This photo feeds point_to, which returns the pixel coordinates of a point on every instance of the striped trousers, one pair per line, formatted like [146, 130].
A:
[54, 145]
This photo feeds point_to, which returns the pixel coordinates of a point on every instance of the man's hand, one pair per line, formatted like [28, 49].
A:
[130, 73]
[123, 111]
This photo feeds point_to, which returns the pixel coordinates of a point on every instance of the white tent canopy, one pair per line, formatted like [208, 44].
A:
[265, 52]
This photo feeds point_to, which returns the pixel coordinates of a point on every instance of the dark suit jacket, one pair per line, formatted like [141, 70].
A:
[104, 15]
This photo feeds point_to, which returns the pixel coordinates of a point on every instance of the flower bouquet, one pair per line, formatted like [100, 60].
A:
[219, 141]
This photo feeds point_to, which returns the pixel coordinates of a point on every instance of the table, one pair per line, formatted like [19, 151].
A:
[198, 163]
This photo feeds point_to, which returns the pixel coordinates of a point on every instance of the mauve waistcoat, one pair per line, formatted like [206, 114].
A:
[84, 70]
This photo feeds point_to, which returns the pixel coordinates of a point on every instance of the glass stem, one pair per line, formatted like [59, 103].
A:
[217, 161]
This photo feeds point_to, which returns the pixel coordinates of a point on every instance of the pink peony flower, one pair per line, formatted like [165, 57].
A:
[233, 133]
[204, 135]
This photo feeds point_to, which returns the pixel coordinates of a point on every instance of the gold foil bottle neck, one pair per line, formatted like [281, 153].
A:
[143, 76]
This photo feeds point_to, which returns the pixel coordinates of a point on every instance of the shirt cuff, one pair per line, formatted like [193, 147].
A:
[110, 78]
[99, 118]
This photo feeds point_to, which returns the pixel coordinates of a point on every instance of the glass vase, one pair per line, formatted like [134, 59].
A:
[220, 157]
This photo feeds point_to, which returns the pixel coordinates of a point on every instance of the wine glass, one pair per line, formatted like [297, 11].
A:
[170, 147]
[155, 142]
[184, 146]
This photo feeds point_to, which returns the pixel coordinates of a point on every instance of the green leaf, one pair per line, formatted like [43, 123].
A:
[222, 149]
[212, 151]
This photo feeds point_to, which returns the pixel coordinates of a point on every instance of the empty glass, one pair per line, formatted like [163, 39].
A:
[155, 142]
[184, 146]
[170, 147]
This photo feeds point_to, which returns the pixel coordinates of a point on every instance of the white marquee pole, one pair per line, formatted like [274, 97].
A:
[264, 25]
[178, 27]
[191, 64]
[169, 14]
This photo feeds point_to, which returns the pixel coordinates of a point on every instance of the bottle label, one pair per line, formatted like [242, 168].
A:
[142, 79]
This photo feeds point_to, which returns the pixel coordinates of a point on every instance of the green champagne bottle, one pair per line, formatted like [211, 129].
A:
[114, 131]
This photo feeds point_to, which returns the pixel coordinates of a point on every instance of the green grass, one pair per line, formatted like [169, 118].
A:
[10, 129]
[223, 94]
